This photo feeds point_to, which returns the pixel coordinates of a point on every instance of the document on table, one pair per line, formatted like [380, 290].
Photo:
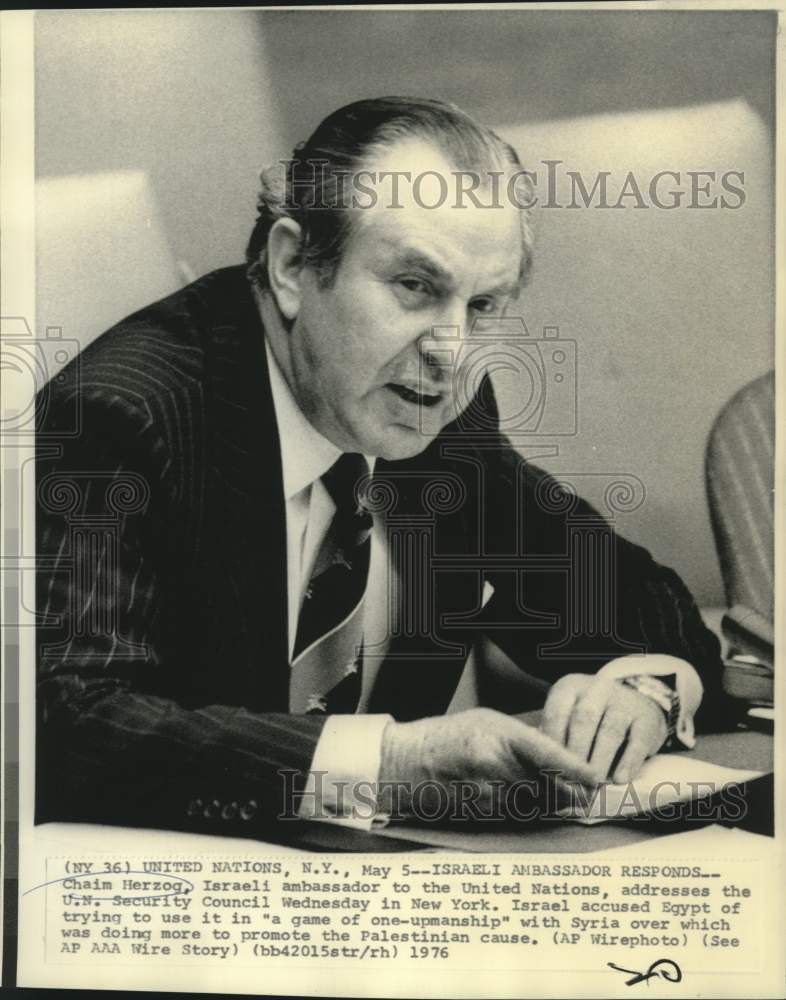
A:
[664, 779]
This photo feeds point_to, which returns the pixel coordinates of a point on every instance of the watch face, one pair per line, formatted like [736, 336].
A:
[662, 693]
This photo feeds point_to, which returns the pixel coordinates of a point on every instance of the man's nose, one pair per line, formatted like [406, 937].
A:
[439, 354]
[441, 343]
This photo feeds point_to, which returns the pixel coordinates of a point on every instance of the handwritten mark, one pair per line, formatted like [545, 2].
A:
[173, 889]
[671, 972]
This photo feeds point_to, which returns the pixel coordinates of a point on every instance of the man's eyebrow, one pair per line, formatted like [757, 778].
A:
[505, 287]
[417, 260]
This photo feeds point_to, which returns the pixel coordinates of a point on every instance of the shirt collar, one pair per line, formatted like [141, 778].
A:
[306, 455]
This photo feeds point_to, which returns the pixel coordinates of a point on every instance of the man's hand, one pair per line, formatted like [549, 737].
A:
[479, 746]
[609, 725]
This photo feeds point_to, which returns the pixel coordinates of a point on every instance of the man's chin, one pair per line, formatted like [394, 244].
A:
[398, 441]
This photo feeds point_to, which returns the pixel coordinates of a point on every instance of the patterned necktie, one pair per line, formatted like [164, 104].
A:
[328, 653]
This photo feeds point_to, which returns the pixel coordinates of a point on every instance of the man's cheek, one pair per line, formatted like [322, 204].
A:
[368, 347]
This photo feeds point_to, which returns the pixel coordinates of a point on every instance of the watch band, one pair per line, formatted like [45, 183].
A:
[662, 694]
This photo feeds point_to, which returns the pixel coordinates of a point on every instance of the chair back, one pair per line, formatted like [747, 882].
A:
[739, 472]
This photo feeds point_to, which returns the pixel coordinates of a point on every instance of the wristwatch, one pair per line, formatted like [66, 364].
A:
[661, 690]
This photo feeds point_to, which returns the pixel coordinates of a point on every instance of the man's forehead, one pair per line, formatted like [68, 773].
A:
[445, 240]
[420, 210]
[419, 154]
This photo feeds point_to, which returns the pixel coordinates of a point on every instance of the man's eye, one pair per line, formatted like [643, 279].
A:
[483, 305]
[414, 285]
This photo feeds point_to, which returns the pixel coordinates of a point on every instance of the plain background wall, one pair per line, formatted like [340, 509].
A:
[671, 311]
[183, 95]
[517, 66]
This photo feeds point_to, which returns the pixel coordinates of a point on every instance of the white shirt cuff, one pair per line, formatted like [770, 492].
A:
[342, 784]
[689, 687]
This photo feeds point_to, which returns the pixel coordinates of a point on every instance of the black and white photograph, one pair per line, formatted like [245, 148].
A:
[389, 500]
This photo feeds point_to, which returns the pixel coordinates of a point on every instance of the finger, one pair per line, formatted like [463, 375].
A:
[585, 718]
[536, 751]
[556, 712]
[637, 749]
[609, 739]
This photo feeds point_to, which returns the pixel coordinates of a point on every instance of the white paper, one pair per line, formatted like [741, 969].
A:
[663, 779]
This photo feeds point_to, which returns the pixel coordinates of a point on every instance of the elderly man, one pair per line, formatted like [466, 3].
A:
[300, 520]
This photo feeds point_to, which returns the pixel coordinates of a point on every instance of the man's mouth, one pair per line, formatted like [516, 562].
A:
[413, 396]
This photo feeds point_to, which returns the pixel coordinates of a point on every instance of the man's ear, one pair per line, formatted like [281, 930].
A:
[284, 265]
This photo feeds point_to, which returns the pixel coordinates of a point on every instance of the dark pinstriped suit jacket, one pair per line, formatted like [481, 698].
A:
[163, 673]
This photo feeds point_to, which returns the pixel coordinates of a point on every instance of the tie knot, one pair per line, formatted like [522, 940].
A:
[346, 481]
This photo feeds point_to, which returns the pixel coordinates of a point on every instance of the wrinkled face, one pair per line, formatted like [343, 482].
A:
[364, 363]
